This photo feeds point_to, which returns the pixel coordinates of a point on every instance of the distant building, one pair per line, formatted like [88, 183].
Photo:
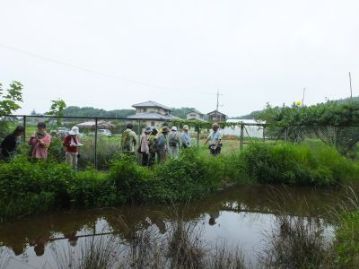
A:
[216, 116]
[195, 115]
[151, 113]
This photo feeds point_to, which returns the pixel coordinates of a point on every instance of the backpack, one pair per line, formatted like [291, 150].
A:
[173, 140]
[126, 141]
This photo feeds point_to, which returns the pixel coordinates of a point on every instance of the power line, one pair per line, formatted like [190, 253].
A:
[84, 69]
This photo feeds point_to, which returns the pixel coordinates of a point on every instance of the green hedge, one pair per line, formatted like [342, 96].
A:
[31, 187]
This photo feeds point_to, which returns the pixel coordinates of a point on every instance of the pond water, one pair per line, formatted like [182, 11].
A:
[242, 216]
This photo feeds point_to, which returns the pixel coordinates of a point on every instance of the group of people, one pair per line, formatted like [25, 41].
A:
[157, 145]
[39, 143]
[154, 145]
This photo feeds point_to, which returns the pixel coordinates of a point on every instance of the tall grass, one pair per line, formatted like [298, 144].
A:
[181, 248]
[302, 164]
[298, 242]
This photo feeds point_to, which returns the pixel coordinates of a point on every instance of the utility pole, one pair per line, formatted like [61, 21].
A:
[217, 100]
[351, 90]
[217, 105]
[303, 97]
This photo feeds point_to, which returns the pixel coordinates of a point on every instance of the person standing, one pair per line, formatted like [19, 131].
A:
[152, 145]
[129, 140]
[9, 144]
[215, 139]
[174, 143]
[40, 142]
[185, 137]
[144, 146]
[162, 145]
[72, 145]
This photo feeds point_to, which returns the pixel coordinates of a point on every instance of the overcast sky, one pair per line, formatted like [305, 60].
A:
[112, 54]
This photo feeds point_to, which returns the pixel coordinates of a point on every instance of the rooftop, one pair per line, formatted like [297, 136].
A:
[215, 112]
[151, 104]
[151, 116]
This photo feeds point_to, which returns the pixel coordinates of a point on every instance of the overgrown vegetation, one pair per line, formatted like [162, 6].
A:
[302, 164]
[28, 187]
[334, 123]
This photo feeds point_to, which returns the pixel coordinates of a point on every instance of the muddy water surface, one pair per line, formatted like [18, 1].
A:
[242, 217]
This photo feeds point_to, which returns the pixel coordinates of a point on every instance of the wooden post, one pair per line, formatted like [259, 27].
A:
[241, 137]
[95, 157]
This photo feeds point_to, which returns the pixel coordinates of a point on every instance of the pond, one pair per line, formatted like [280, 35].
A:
[243, 217]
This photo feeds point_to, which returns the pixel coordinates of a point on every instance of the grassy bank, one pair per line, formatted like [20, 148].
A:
[28, 187]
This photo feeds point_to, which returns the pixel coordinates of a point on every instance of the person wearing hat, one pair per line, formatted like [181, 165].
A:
[40, 142]
[185, 137]
[144, 148]
[214, 139]
[162, 144]
[71, 146]
[152, 145]
[173, 142]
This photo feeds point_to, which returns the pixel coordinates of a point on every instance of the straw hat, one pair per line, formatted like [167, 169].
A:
[165, 129]
[185, 127]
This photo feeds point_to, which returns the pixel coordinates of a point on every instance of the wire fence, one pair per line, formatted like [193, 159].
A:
[101, 137]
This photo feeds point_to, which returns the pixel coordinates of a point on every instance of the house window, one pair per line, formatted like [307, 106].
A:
[153, 123]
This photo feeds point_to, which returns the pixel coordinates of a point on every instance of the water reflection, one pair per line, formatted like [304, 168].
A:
[241, 214]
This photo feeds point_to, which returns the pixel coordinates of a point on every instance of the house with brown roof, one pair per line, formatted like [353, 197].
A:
[216, 116]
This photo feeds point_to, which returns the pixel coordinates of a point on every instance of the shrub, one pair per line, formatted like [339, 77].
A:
[94, 189]
[296, 164]
[129, 178]
[347, 240]
[32, 187]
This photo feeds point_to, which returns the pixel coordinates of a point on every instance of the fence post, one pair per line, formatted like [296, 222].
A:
[24, 125]
[139, 130]
[241, 137]
[264, 133]
[95, 157]
[198, 130]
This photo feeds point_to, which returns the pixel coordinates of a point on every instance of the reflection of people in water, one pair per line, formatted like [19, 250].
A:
[72, 238]
[212, 218]
[161, 225]
[39, 245]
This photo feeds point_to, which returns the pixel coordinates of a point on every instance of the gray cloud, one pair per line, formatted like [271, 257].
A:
[180, 52]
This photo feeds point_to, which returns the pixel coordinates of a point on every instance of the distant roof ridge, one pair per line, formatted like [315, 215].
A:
[215, 111]
[151, 103]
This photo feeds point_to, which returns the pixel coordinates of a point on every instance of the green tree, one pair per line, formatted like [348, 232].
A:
[335, 123]
[57, 109]
[11, 98]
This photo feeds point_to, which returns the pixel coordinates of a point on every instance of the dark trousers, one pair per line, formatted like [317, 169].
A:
[152, 159]
[145, 159]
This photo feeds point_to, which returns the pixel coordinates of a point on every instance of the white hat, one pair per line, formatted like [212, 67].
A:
[174, 128]
[74, 131]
